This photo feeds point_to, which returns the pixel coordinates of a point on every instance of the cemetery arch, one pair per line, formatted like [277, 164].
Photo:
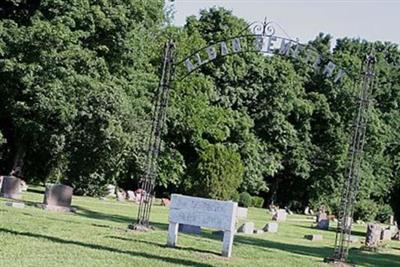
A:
[262, 39]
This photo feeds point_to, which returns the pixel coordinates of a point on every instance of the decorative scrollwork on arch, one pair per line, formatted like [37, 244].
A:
[265, 28]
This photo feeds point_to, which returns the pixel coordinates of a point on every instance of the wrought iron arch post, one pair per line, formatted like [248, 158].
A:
[351, 184]
[147, 183]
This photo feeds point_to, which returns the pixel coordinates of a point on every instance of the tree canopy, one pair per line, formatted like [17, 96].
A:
[77, 80]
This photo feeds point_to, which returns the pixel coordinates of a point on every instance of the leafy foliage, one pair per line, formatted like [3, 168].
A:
[76, 86]
[245, 200]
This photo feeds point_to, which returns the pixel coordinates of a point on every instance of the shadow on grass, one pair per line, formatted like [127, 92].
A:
[35, 190]
[178, 261]
[91, 214]
[333, 229]
[357, 256]
[164, 245]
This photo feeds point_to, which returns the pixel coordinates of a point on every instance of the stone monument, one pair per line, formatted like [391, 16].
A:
[322, 220]
[373, 235]
[58, 197]
[11, 187]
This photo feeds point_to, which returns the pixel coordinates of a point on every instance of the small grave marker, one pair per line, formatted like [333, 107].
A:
[242, 213]
[246, 228]
[314, 237]
[386, 235]
[280, 216]
[202, 212]
[271, 227]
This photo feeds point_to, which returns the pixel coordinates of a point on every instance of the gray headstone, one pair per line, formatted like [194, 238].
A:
[323, 224]
[391, 220]
[1, 181]
[280, 216]
[58, 197]
[393, 230]
[258, 231]
[314, 237]
[131, 195]
[271, 227]
[110, 190]
[121, 196]
[373, 235]
[218, 233]
[247, 228]
[189, 229]
[307, 211]
[321, 216]
[11, 187]
[241, 213]
[386, 235]
[24, 186]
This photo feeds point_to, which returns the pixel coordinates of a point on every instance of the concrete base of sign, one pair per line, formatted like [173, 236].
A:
[15, 205]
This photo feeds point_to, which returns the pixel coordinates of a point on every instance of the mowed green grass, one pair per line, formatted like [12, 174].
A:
[97, 236]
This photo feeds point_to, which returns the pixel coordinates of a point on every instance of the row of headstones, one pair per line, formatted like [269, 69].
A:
[57, 197]
[246, 227]
[377, 234]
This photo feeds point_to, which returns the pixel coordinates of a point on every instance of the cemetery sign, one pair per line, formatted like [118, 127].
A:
[202, 212]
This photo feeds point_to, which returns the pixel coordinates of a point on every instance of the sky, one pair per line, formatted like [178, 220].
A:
[305, 19]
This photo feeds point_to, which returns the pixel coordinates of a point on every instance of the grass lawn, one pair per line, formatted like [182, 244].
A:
[97, 236]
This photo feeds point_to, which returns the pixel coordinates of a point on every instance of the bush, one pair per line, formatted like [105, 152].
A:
[384, 213]
[365, 210]
[219, 173]
[236, 197]
[245, 200]
[257, 202]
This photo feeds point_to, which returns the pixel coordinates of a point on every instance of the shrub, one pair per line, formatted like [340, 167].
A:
[236, 197]
[365, 210]
[219, 172]
[257, 202]
[384, 213]
[245, 200]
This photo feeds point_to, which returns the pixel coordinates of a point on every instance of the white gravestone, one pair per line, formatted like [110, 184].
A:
[247, 228]
[271, 227]
[242, 213]
[280, 216]
[202, 212]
